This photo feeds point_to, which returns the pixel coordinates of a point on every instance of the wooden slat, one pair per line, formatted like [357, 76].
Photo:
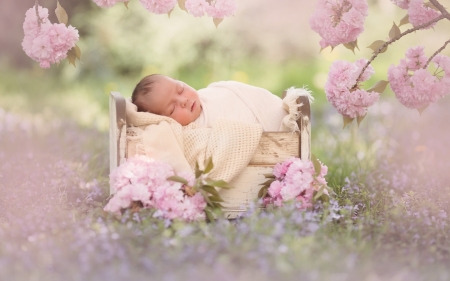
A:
[275, 147]
[117, 129]
[245, 190]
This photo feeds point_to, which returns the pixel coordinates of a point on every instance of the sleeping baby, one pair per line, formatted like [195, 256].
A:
[228, 100]
[172, 122]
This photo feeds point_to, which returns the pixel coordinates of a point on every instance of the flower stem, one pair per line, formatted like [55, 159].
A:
[393, 40]
[436, 53]
[36, 4]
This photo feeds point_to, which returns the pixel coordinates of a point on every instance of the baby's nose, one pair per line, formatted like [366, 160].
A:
[184, 102]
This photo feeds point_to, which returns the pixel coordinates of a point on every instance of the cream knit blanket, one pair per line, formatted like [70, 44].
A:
[230, 126]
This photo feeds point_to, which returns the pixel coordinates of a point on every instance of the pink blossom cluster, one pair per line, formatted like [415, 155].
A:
[142, 179]
[216, 9]
[295, 179]
[107, 3]
[339, 88]
[47, 43]
[414, 86]
[418, 13]
[159, 6]
[339, 21]
[404, 4]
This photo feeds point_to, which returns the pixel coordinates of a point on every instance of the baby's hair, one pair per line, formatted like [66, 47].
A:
[143, 88]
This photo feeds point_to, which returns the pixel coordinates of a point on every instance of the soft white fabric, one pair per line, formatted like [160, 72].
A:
[240, 102]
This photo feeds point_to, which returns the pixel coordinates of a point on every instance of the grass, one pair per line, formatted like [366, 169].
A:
[389, 218]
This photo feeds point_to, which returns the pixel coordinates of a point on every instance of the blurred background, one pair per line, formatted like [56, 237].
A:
[267, 44]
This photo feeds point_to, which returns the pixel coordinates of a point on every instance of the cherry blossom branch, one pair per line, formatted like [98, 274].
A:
[436, 53]
[440, 8]
[36, 4]
[392, 41]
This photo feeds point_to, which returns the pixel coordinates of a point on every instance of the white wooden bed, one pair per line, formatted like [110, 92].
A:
[274, 147]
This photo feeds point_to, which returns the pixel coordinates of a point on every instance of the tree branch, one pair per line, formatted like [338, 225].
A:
[440, 8]
[36, 4]
[392, 41]
[436, 53]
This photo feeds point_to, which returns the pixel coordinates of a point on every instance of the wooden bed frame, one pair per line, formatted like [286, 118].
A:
[274, 147]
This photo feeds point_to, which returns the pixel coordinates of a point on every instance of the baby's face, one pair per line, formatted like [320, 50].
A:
[174, 99]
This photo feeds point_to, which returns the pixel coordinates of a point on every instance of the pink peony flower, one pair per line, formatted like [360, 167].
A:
[197, 8]
[338, 88]
[159, 6]
[219, 9]
[339, 22]
[419, 14]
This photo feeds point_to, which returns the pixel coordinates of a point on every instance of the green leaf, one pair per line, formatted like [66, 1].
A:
[77, 52]
[198, 172]
[205, 196]
[267, 182]
[215, 198]
[61, 14]
[404, 20]
[72, 56]
[269, 176]
[376, 45]
[209, 214]
[379, 87]
[198, 184]
[217, 21]
[394, 32]
[181, 3]
[221, 184]
[422, 109]
[126, 4]
[347, 120]
[210, 190]
[318, 194]
[352, 45]
[316, 163]
[216, 205]
[168, 14]
[360, 118]
[209, 165]
[262, 192]
[177, 179]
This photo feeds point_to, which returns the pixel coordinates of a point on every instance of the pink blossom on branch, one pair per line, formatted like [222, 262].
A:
[219, 9]
[107, 3]
[339, 88]
[295, 180]
[142, 179]
[49, 43]
[197, 8]
[419, 13]
[414, 86]
[338, 21]
[159, 6]
[404, 4]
